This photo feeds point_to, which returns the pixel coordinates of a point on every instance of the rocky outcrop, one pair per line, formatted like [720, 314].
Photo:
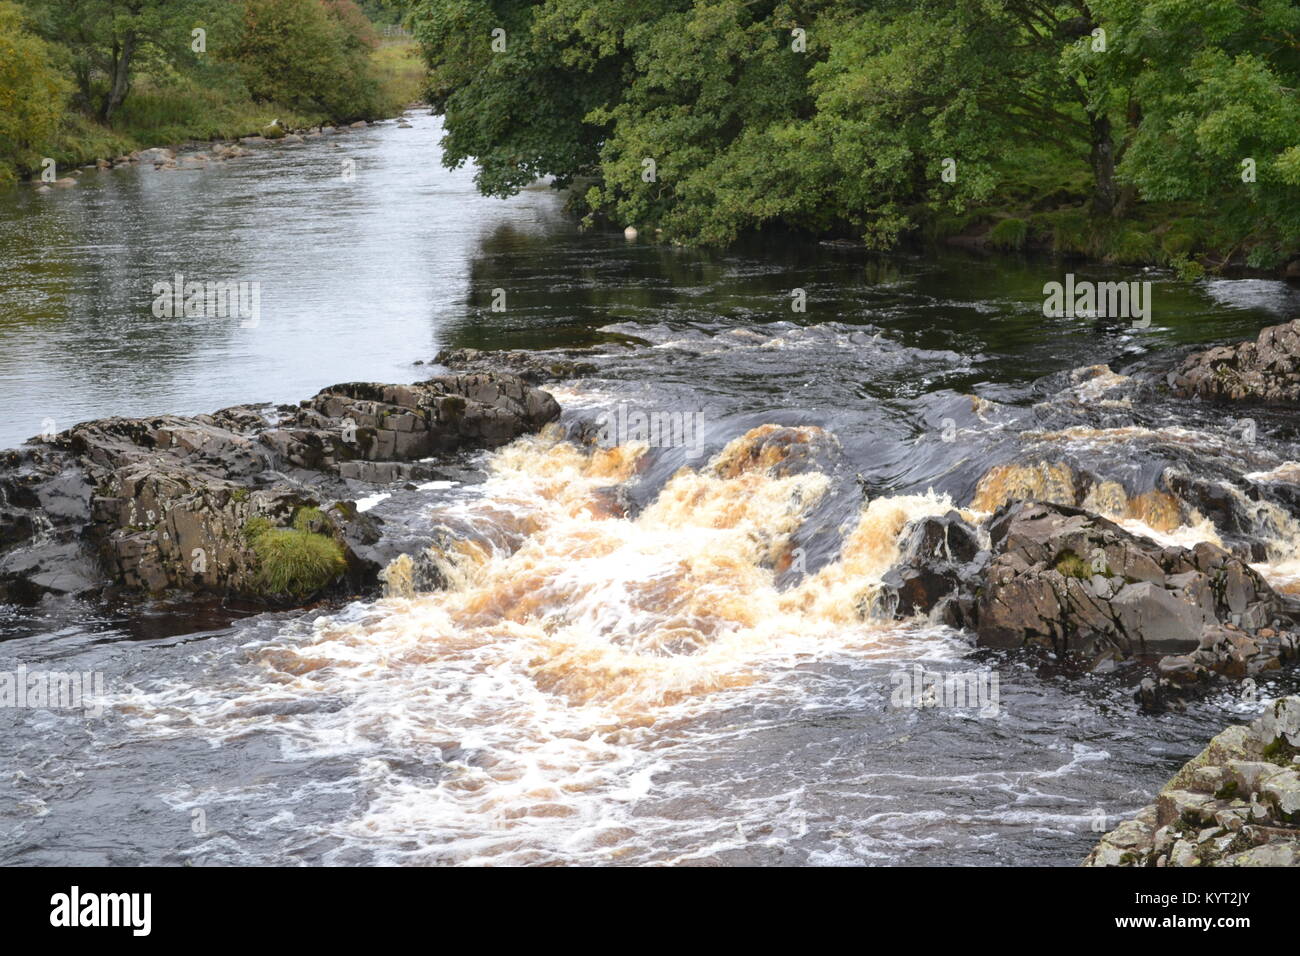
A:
[1235, 804]
[1266, 370]
[1078, 583]
[1081, 586]
[187, 502]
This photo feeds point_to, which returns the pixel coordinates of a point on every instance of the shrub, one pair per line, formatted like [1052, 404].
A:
[32, 94]
[1133, 245]
[1265, 256]
[1072, 566]
[1189, 270]
[1178, 244]
[308, 56]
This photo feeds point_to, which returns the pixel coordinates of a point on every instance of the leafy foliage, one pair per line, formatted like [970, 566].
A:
[32, 92]
[709, 118]
[308, 55]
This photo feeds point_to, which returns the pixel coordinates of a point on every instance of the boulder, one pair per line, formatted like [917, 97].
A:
[1266, 370]
[940, 562]
[1079, 584]
[157, 154]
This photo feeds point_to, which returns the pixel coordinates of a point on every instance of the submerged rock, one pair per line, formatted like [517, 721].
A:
[1266, 370]
[1235, 804]
[187, 503]
[533, 367]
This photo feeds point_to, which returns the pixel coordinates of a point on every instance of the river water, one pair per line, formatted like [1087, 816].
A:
[629, 667]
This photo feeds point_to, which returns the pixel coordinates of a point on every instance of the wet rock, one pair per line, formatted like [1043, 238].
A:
[940, 561]
[170, 502]
[779, 451]
[1079, 584]
[53, 567]
[533, 367]
[1082, 587]
[1266, 370]
[158, 154]
[1235, 804]
[409, 575]
[229, 151]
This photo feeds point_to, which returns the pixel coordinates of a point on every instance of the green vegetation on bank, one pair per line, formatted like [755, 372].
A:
[82, 80]
[1135, 130]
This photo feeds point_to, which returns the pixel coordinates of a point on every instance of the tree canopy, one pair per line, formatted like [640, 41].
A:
[709, 118]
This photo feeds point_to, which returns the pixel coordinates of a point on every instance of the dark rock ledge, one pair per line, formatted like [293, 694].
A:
[534, 367]
[248, 501]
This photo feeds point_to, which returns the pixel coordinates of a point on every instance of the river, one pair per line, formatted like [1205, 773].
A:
[648, 689]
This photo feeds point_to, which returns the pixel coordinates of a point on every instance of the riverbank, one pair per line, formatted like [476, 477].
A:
[184, 111]
[1172, 235]
[1060, 224]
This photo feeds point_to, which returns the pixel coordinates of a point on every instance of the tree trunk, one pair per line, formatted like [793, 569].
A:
[121, 78]
[84, 97]
[1105, 199]
[1128, 194]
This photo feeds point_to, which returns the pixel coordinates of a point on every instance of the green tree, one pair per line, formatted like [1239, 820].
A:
[516, 99]
[105, 40]
[308, 55]
[1218, 83]
[708, 118]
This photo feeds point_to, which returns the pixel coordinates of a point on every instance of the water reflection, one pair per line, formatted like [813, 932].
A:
[357, 276]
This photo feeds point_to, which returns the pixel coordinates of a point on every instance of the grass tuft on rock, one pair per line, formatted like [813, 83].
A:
[294, 561]
[1072, 566]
